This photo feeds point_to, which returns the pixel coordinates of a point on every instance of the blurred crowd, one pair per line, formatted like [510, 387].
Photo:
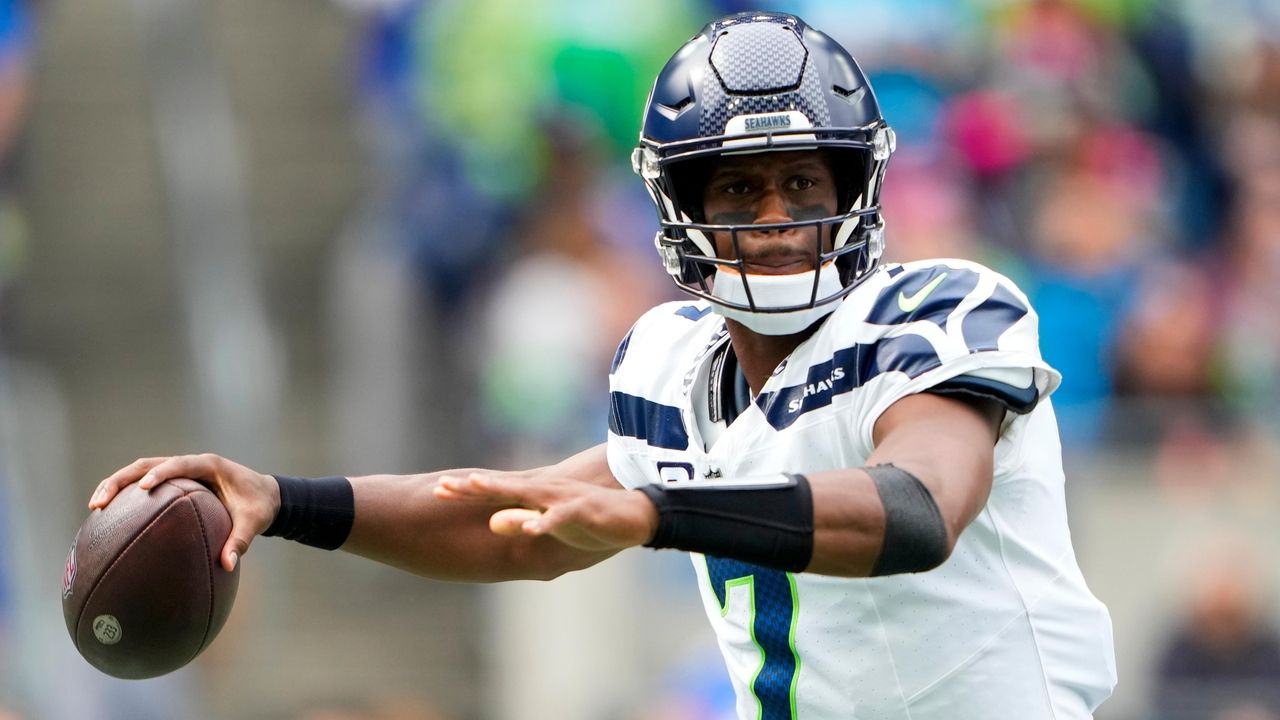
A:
[1119, 159]
[16, 39]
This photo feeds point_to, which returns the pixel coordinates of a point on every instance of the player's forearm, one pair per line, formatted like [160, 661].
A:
[399, 522]
[848, 523]
[928, 478]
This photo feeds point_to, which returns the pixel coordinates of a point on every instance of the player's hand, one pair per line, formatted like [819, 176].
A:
[583, 515]
[251, 498]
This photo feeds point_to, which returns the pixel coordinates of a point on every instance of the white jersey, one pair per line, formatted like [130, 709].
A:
[1005, 629]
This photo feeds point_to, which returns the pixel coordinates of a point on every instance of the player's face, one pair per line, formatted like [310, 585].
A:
[769, 188]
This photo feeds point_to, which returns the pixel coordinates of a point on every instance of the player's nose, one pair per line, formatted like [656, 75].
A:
[772, 207]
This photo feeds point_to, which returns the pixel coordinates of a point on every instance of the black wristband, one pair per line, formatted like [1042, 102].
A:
[767, 522]
[314, 511]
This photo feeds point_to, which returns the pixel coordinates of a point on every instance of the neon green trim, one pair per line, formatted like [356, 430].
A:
[750, 581]
[795, 654]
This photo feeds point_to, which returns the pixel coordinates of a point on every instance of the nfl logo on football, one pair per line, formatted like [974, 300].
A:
[69, 572]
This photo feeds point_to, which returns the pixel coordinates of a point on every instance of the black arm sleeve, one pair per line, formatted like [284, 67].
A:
[915, 536]
[765, 524]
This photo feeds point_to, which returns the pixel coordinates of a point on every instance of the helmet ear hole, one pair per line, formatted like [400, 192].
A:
[851, 170]
[688, 184]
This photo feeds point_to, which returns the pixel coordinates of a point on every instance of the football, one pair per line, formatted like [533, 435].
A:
[143, 592]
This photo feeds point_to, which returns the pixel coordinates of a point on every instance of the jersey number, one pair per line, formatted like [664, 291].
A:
[773, 609]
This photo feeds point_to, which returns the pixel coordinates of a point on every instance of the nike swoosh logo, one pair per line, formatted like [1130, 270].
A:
[907, 304]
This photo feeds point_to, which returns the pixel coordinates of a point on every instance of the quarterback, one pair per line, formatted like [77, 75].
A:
[860, 458]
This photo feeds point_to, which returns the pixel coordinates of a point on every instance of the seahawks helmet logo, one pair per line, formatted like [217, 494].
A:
[767, 122]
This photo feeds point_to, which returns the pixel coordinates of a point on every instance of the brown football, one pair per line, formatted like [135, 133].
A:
[143, 592]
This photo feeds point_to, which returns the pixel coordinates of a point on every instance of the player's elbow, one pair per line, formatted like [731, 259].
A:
[919, 533]
[938, 551]
[955, 514]
[933, 542]
[920, 549]
[913, 549]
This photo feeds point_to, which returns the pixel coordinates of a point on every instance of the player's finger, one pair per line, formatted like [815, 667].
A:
[237, 545]
[446, 494]
[130, 473]
[196, 467]
[511, 521]
[161, 472]
[523, 490]
[454, 489]
[551, 519]
[478, 486]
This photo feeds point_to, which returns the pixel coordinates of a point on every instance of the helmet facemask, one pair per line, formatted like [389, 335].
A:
[846, 245]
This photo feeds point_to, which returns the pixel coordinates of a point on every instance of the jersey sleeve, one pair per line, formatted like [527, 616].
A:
[647, 430]
[957, 327]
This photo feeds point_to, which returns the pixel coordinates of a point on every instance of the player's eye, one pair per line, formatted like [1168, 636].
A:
[803, 183]
[736, 187]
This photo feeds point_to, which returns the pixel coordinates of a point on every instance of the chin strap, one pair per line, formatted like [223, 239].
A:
[775, 291]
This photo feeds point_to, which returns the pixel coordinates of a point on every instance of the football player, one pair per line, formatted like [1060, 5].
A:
[860, 458]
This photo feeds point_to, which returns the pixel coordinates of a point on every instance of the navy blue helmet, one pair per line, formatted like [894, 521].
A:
[759, 82]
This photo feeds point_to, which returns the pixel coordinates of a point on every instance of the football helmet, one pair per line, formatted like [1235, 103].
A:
[761, 82]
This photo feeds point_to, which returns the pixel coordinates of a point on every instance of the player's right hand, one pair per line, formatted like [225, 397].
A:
[251, 498]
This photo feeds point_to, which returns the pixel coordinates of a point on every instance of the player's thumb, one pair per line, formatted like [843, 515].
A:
[237, 545]
[511, 521]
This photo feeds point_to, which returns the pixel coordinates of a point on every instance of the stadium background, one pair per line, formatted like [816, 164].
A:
[392, 235]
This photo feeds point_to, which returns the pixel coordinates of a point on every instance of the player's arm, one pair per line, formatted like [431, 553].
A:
[395, 519]
[927, 479]
[935, 458]
[400, 521]
[944, 444]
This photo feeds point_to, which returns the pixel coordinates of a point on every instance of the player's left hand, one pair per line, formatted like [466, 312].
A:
[580, 514]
